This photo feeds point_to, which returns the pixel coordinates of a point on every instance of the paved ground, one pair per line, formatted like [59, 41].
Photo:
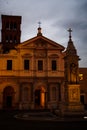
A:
[9, 122]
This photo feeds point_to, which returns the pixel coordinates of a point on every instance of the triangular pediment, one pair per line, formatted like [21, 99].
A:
[40, 42]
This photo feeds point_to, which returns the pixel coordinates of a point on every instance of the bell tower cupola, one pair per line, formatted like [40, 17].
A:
[71, 62]
[11, 32]
[72, 86]
[71, 50]
[39, 29]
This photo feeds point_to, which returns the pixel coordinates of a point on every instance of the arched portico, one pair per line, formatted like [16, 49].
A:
[8, 97]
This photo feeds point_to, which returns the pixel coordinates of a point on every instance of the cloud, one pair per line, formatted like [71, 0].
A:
[56, 17]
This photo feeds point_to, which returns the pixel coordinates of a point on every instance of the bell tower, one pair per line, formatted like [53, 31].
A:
[71, 62]
[11, 32]
[72, 86]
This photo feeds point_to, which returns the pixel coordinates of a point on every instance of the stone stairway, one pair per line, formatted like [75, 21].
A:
[36, 115]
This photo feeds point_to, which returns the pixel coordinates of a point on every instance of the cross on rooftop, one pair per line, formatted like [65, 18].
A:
[39, 23]
[69, 30]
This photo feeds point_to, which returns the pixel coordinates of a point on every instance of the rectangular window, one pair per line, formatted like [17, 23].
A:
[26, 64]
[9, 64]
[40, 65]
[54, 65]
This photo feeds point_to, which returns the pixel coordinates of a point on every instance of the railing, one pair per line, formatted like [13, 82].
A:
[32, 73]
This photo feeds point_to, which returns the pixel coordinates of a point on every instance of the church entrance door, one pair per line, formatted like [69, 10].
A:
[40, 98]
[37, 98]
[9, 101]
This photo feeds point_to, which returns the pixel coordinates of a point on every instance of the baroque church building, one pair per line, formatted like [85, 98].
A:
[38, 73]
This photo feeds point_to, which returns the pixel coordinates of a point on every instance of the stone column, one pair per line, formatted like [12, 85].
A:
[62, 101]
[32, 96]
[48, 96]
[20, 96]
[48, 93]
[1, 100]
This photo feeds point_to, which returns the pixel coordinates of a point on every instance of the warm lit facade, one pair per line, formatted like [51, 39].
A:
[36, 74]
[83, 85]
[32, 71]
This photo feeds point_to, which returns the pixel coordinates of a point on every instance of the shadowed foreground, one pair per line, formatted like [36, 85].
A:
[9, 122]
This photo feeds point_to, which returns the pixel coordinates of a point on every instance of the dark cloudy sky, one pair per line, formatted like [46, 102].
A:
[56, 16]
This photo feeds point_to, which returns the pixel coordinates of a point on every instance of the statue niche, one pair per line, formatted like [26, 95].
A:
[73, 73]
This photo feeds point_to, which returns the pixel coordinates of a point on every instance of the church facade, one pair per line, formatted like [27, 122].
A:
[38, 73]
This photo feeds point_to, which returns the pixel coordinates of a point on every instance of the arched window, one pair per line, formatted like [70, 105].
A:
[10, 40]
[15, 26]
[11, 25]
[7, 39]
[15, 39]
[7, 25]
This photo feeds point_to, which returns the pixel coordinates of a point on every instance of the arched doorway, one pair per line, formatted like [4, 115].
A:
[8, 96]
[40, 98]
